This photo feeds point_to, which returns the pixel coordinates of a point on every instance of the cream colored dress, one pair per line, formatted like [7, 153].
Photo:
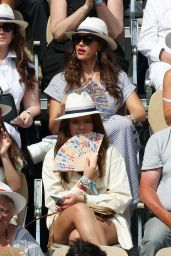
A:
[114, 191]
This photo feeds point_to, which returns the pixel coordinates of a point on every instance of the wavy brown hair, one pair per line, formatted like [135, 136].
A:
[22, 61]
[108, 71]
[64, 135]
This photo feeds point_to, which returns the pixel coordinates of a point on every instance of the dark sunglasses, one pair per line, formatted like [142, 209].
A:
[87, 39]
[7, 27]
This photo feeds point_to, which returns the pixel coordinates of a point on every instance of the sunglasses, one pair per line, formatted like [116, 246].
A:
[87, 40]
[7, 27]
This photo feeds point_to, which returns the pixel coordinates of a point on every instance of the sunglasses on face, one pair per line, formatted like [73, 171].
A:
[87, 40]
[7, 27]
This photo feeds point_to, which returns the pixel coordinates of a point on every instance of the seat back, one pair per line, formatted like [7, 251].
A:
[155, 112]
[24, 192]
[164, 252]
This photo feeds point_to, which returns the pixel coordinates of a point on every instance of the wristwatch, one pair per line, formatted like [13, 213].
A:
[29, 112]
[98, 2]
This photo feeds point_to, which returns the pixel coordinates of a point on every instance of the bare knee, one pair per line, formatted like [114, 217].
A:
[74, 235]
[80, 209]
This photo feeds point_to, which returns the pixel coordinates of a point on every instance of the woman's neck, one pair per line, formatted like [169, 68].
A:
[89, 70]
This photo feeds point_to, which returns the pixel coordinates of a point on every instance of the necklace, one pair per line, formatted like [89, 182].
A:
[88, 77]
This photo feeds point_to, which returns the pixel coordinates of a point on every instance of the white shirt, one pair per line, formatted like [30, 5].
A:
[156, 25]
[9, 79]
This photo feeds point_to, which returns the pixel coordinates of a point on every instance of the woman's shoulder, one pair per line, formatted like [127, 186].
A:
[112, 151]
[50, 154]
[123, 79]
[58, 77]
[56, 86]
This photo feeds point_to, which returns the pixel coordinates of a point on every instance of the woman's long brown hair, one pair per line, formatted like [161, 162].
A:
[108, 71]
[22, 61]
[64, 135]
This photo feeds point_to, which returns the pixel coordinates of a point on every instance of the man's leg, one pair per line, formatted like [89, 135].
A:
[156, 236]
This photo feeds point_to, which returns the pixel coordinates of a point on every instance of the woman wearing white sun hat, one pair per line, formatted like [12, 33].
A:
[11, 160]
[91, 69]
[102, 182]
[11, 235]
[17, 74]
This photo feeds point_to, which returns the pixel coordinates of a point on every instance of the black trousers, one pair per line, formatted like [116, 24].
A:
[36, 13]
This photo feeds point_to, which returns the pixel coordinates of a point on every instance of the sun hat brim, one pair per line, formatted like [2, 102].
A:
[19, 200]
[23, 24]
[5, 109]
[111, 43]
[67, 116]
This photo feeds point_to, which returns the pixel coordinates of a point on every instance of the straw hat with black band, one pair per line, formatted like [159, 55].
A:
[8, 16]
[79, 105]
[95, 26]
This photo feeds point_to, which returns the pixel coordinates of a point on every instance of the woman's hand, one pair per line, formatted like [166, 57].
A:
[69, 200]
[5, 142]
[91, 169]
[89, 4]
[24, 120]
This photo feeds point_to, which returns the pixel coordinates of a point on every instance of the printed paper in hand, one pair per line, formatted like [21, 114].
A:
[72, 155]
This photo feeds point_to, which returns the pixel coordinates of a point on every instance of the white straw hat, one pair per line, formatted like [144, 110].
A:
[95, 26]
[7, 16]
[79, 105]
[18, 200]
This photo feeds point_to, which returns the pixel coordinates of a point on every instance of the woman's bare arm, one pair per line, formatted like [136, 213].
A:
[135, 107]
[167, 97]
[60, 23]
[112, 14]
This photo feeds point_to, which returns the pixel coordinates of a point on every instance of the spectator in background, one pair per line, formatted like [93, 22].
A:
[11, 160]
[66, 15]
[167, 88]
[11, 203]
[155, 190]
[81, 248]
[36, 13]
[167, 96]
[17, 74]
[156, 24]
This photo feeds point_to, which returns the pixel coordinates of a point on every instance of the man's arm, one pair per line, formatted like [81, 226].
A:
[148, 187]
[10, 2]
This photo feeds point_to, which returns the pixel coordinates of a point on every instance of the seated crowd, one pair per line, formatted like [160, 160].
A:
[91, 100]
